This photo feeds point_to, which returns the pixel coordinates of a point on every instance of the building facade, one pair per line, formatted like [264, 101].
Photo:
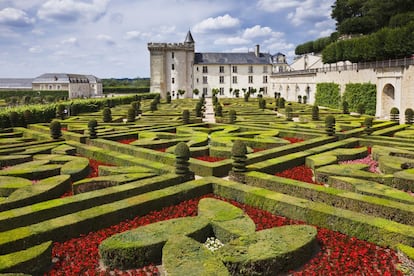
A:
[176, 67]
[78, 86]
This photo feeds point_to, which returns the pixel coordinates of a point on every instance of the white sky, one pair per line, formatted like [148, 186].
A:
[108, 38]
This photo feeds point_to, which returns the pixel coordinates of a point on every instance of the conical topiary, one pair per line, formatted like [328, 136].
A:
[289, 113]
[409, 116]
[182, 166]
[218, 110]
[315, 113]
[60, 111]
[345, 107]
[186, 116]
[232, 116]
[131, 115]
[92, 125]
[395, 114]
[330, 125]
[368, 125]
[238, 154]
[153, 105]
[107, 115]
[55, 129]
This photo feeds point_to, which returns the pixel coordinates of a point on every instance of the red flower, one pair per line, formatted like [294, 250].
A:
[210, 158]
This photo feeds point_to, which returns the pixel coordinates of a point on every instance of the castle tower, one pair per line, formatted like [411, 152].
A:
[172, 67]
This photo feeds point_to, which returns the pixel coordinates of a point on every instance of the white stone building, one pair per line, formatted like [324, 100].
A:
[78, 86]
[177, 67]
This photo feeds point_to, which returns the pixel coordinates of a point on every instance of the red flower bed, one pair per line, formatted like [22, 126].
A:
[210, 158]
[293, 140]
[339, 254]
[161, 150]
[126, 141]
[94, 165]
[301, 173]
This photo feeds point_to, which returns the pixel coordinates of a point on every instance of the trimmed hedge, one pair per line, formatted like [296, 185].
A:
[91, 219]
[45, 210]
[370, 228]
[388, 209]
[45, 189]
[34, 260]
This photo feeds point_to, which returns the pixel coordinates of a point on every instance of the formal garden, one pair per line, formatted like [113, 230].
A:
[139, 185]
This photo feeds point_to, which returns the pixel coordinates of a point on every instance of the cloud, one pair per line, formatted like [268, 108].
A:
[15, 18]
[35, 49]
[70, 41]
[277, 5]
[72, 10]
[106, 39]
[231, 41]
[257, 31]
[137, 35]
[305, 13]
[217, 23]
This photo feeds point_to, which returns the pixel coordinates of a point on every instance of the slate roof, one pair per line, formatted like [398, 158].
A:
[65, 78]
[15, 83]
[232, 58]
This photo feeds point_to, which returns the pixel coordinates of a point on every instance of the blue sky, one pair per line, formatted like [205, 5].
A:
[108, 38]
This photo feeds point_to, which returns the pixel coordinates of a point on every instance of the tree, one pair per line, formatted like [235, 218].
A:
[92, 125]
[107, 115]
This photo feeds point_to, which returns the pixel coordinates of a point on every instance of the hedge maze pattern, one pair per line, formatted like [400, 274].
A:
[49, 191]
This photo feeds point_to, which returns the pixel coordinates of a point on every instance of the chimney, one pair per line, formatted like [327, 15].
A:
[257, 50]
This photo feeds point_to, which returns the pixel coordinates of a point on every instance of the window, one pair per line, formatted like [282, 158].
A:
[204, 79]
[172, 80]
[205, 91]
[205, 69]
[197, 68]
[264, 79]
[265, 69]
[221, 68]
[197, 80]
[172, 66]
[250, 69]
[234, 68]
[250, 79]
[221, 90]
[221, 79]
[50, 87]
[234, 79]
[172, 54]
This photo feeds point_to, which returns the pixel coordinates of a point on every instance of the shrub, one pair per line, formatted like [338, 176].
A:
[199, 109]
[262, 103]
[345, 107]
[395, 114]
[238, 153]
[299, 99]
[288, 113]
[281, 103]
[60, 111]
[315, 113]
[330, 125]
[92, 124]
[186, 116]
[131, 115]
[182, 155]
[107, 115]
[153, 105]
[409, 116]
[14, 118]
[305, 99]
[232, 116]
[168, 97]
[218, 110]
[55, 129]
[368, 125]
